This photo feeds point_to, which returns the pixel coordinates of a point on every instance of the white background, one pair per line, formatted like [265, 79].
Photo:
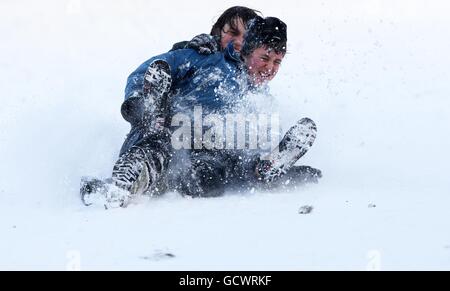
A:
[372, 74]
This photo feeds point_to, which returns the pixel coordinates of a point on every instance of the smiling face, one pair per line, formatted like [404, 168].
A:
[234, 32]
[263, 65]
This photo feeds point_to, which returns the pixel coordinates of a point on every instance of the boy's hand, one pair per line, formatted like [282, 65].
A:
[204, 44]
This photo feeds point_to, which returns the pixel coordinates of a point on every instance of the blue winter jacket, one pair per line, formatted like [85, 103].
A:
[216, 82]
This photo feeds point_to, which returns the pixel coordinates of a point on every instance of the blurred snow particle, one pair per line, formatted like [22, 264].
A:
[73, 7]
[73, 260]
[307, 209]
[371, 205]
[374, 263]
[158, 256]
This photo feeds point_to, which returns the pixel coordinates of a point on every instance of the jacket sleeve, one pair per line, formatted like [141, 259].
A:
[179, 45]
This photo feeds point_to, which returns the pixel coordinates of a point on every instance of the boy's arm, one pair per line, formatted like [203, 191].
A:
[179, 45]
[204, 44]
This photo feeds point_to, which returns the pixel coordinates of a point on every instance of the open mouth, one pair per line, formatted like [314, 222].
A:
[265, 75]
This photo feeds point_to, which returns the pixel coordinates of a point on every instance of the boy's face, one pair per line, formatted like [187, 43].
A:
[233, 33]
[263, 65]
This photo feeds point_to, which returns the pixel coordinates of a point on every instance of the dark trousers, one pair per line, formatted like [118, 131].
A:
[196, 173]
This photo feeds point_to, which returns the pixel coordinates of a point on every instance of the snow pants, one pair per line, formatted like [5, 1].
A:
[196, 173]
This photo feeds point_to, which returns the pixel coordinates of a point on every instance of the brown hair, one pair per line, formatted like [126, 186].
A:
[230, 16]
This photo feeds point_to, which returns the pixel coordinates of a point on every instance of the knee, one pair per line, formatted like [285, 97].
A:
[132, 110]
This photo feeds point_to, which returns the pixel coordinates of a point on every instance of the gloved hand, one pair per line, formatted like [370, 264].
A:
[204, 44]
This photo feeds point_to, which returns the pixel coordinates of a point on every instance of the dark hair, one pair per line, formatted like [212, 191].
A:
[230, 16]
[269, 32]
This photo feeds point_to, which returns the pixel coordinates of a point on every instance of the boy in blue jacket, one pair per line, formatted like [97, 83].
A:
[178, 81]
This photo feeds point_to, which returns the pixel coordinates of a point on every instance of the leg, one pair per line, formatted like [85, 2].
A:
[145, 153]
[141, 167]
[144, 156]
[295, 177]
[204, 177]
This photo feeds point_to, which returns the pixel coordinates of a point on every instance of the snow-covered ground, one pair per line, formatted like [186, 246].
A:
[372, 74]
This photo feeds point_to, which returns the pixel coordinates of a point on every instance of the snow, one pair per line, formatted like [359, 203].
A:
[373, 75]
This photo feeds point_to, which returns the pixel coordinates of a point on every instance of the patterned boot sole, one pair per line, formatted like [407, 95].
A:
[296, 142]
